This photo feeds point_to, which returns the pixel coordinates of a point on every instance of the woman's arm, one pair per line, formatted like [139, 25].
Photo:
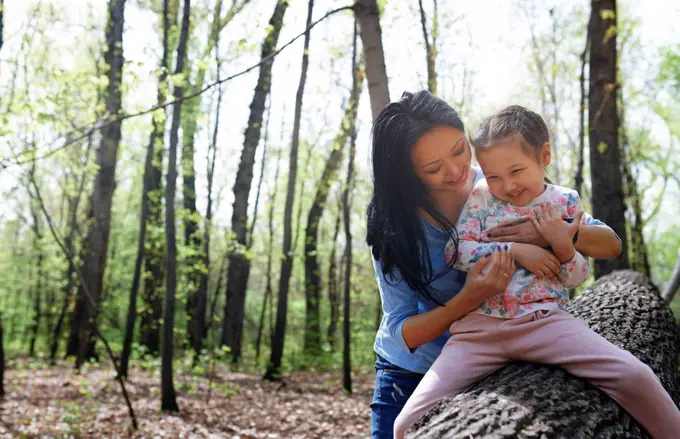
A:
[425, 327]
[598, 242]
[594, 241]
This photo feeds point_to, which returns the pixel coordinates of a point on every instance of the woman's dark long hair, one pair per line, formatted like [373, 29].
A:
[394, 231]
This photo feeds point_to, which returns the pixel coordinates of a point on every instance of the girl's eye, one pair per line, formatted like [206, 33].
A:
[433, 171]
[491, 178]
[516, 171]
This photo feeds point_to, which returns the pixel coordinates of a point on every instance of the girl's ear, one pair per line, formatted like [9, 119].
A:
[546, 154]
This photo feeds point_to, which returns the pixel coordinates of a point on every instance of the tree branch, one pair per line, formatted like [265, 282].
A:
[84, 131]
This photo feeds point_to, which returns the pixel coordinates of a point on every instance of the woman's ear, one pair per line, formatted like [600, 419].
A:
[546, 154]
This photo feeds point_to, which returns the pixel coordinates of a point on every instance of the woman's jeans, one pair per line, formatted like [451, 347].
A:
[393, 386]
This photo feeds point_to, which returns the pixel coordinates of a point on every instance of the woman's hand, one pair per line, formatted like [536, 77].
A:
[481, 286]
[524, 232]
[537, 260]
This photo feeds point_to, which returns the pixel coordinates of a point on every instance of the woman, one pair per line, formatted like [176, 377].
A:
[422, 178]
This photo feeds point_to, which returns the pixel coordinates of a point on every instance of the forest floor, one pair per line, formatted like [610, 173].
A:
[53, 401]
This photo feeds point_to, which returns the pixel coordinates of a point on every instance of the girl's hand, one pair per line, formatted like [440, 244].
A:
[559, 233]
[481, 286]
[539, 261]
[524, 232]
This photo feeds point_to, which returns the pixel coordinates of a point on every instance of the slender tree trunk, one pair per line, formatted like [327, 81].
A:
[312, 342]
[239, 264]
[99, 215]
[268, 288]
[37, 244]
[430, 55]
[74, 203]
[2, 345]
[265, 146]
[215, 296]
[367, 15]
[200, 309]
[673, 283]
[333, 287]
[155, 142]
[195, 292]
[346, 208]
[168, 400]
[603, 120]
[268, 299]
[274, 368]
[578, 178]
[154, 256]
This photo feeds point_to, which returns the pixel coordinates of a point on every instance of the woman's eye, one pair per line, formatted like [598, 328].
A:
[459, 151]
[433, 171]
[516, 171]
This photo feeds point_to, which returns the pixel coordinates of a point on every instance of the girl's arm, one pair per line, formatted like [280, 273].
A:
[469, 248]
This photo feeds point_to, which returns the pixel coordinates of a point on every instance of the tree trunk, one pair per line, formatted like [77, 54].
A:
[37, 245]
[367, 15]
[154, 255]
[168, 400]
[155, 142]
[430, 52]
[272, 202]
[265, 145]
[346, 210]
[74, 203]
[673, 283]
[239, 264]
[99, 215]
[333, 283]
[196, 294]
[274, 368]
[603, 119]
[2, 345]
[197, 321]
[37, 311]
[529, 401]
[215, 296]
[312, 341]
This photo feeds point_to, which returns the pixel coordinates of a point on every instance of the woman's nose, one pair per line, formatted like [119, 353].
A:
[452, 169]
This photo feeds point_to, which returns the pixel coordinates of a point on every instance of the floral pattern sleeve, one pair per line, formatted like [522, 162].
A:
[470, 225]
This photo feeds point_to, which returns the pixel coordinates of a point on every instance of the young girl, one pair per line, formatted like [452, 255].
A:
[528, 321]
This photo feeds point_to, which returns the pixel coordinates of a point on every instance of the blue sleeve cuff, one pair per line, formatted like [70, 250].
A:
[398, 336]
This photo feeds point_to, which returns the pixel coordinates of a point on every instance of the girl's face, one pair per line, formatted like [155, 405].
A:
[441, 159]
[512, 174]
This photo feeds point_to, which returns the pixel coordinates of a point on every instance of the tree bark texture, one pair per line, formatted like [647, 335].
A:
[99, 214]
[312, 343]
[608, 199]
[531, 401]
[368, 16]
[168, 398]
[274, 367]
[239, 264]
[155, 142]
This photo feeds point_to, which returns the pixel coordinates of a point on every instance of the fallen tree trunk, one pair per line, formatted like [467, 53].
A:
[530, 401]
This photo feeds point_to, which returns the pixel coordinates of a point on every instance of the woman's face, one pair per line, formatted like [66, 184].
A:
[441, 159]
